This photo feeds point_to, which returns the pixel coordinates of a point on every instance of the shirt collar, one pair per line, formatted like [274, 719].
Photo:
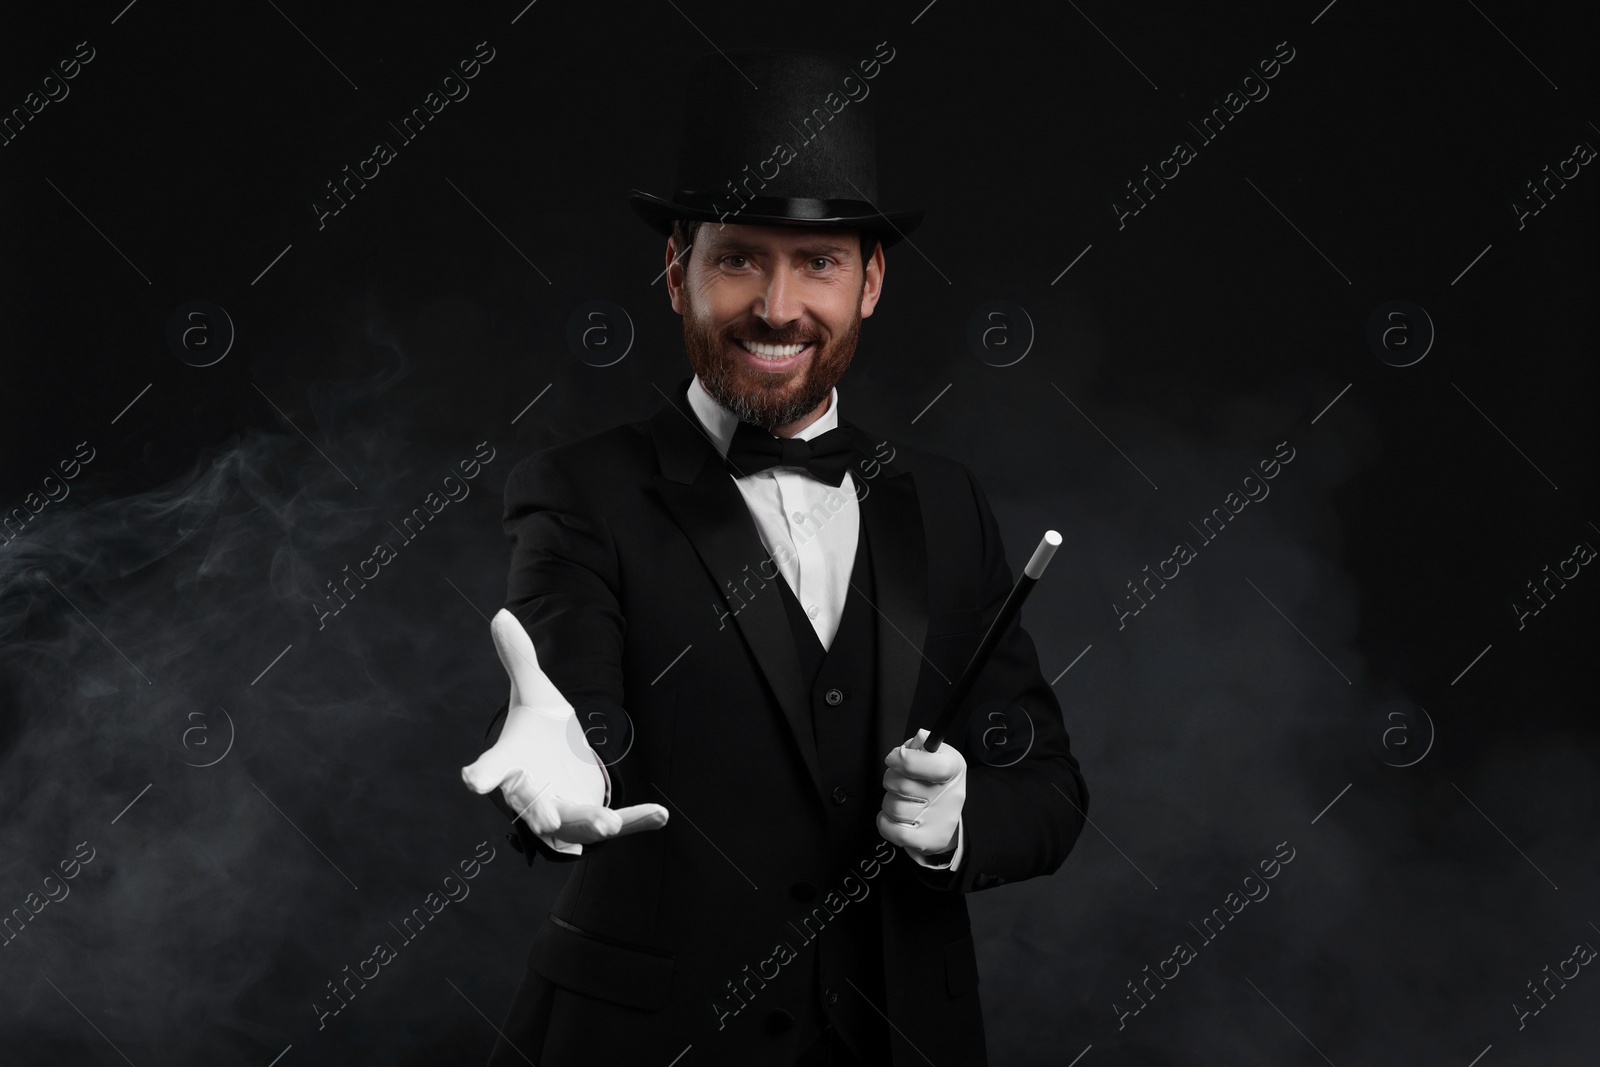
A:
[719, 422]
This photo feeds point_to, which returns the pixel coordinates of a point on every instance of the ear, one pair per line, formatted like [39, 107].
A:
[872, 287]
[677, 273]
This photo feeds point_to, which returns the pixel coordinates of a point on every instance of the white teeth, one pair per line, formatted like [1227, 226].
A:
[756, 348]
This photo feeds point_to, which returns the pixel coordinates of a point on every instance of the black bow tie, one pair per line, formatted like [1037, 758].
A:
[826, 457]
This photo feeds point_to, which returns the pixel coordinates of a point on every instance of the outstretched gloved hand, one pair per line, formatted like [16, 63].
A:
[543, 764]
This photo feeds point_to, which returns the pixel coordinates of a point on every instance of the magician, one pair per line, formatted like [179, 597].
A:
[726, 625]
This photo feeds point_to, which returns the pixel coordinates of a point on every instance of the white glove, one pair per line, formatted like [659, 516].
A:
[923, 796]
[542, 762]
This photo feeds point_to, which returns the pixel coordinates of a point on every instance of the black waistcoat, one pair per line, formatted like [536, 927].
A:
[846, 956]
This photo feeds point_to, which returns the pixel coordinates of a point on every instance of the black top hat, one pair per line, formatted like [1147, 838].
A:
[778, 137]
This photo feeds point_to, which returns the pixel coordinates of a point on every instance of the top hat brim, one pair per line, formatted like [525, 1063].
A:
[888, 227]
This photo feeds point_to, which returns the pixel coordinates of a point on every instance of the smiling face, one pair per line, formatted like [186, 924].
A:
[771, 315]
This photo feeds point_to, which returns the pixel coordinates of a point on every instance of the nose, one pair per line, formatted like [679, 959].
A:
[779, 304]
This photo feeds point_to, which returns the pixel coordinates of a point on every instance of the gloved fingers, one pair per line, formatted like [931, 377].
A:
[530, 686]
[940, 766]
[929, 837]
[641, 817]
[923, 838]
[585, 824]
[535, 803]
[905, 812]
[488, 772]
[909, 788]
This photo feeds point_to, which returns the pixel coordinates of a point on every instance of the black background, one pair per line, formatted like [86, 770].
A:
[1223, 719]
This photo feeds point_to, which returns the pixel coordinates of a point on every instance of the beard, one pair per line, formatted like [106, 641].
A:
[765, 398]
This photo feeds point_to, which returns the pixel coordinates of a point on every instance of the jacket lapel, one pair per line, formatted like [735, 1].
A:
[712, 513]
[708, 507]
[891, 518]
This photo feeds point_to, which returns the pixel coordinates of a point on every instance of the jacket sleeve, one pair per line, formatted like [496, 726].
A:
[562, 588]
[1019, 820]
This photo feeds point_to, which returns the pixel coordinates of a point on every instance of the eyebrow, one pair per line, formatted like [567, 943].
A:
[726, 245]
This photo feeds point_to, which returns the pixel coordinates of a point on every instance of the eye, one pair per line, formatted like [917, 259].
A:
[821, 263]
[729, 261]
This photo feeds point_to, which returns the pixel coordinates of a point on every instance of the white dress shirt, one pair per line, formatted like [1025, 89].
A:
[808, 527]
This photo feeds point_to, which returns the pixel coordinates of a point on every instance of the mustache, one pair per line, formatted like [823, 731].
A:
[793, 336]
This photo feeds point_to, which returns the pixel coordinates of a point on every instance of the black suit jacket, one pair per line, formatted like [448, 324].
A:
[637, 571]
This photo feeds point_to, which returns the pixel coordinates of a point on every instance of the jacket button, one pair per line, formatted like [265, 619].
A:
[779, 1021]
[834, 697]
[840, 794]
[830, 996]
[803, 891]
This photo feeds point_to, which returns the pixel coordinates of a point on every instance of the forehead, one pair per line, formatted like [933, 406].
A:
[777, 240]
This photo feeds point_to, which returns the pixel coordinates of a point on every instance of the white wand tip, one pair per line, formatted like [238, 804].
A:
[1041, 555]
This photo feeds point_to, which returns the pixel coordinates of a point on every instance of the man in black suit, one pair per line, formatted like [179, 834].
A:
[768, 867]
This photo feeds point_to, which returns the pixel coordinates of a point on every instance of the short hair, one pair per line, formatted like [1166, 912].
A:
[683, 231]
